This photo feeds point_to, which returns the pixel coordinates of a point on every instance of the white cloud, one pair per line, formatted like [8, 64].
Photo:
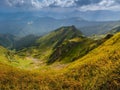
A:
[15, 2]
[106, 2]
[64, 3]
[36, 4]
[103, 5]
[41, 3]
[91, 6]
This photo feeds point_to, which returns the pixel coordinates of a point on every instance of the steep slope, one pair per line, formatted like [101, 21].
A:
[65, 44]
[98, 70]
[58, 36]
[44, 45]
[73, 49]
[6, 55]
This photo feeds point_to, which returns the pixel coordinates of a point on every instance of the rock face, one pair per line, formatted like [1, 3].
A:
[60, 52]
[72, 49]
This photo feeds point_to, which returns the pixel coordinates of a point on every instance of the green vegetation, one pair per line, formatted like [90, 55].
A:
[65, 44]
[24, 42]
[96, 64]
[72, 49]
[45, 45]
[100, 69]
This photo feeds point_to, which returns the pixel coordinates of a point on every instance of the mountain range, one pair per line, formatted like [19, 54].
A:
[62, 59]
[22, 24]
[59, 44]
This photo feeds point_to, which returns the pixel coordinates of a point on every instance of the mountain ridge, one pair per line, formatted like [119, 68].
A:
[64, 44]
[98, 70]
[34, 24]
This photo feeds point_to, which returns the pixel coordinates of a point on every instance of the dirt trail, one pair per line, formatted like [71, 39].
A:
[39, 63]
[35, 60]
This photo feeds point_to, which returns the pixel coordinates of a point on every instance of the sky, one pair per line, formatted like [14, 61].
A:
[60, 6]
[81, 5]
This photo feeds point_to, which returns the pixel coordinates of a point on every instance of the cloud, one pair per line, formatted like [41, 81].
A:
[63, 3]
[16, 3]
[81, 5]
[41, 3]
[113, 5]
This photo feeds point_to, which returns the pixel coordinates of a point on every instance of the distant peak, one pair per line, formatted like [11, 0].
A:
[115, 30]
[71, 29]
[75, 18]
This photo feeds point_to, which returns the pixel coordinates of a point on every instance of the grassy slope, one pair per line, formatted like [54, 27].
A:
[98, 70]
[10, 58]
[72, 49]
[46, 44]
[3, 53]
[65, 44]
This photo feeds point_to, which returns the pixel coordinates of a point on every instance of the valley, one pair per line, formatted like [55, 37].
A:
[63, 59]
[59, 44]
[23, 24]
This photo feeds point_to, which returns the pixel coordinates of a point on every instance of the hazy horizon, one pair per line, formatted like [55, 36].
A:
[93, 10]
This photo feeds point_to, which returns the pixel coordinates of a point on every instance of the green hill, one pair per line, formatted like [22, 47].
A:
[5, 55]
[24, 42]
[72, 49]
[45, 45]
[65, 44]
[10, 58]
[98, 70]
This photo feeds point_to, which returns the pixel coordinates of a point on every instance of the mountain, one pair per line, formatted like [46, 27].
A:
[72, 49]
[97, 70]
[7, 40]
[64, 44]
[114, 30]
[22, 24]
[100, 29]
[98, 15]
[24, 42]
[44, 46]
[12, 42]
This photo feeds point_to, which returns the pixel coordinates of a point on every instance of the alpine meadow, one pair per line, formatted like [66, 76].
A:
[59, 45]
